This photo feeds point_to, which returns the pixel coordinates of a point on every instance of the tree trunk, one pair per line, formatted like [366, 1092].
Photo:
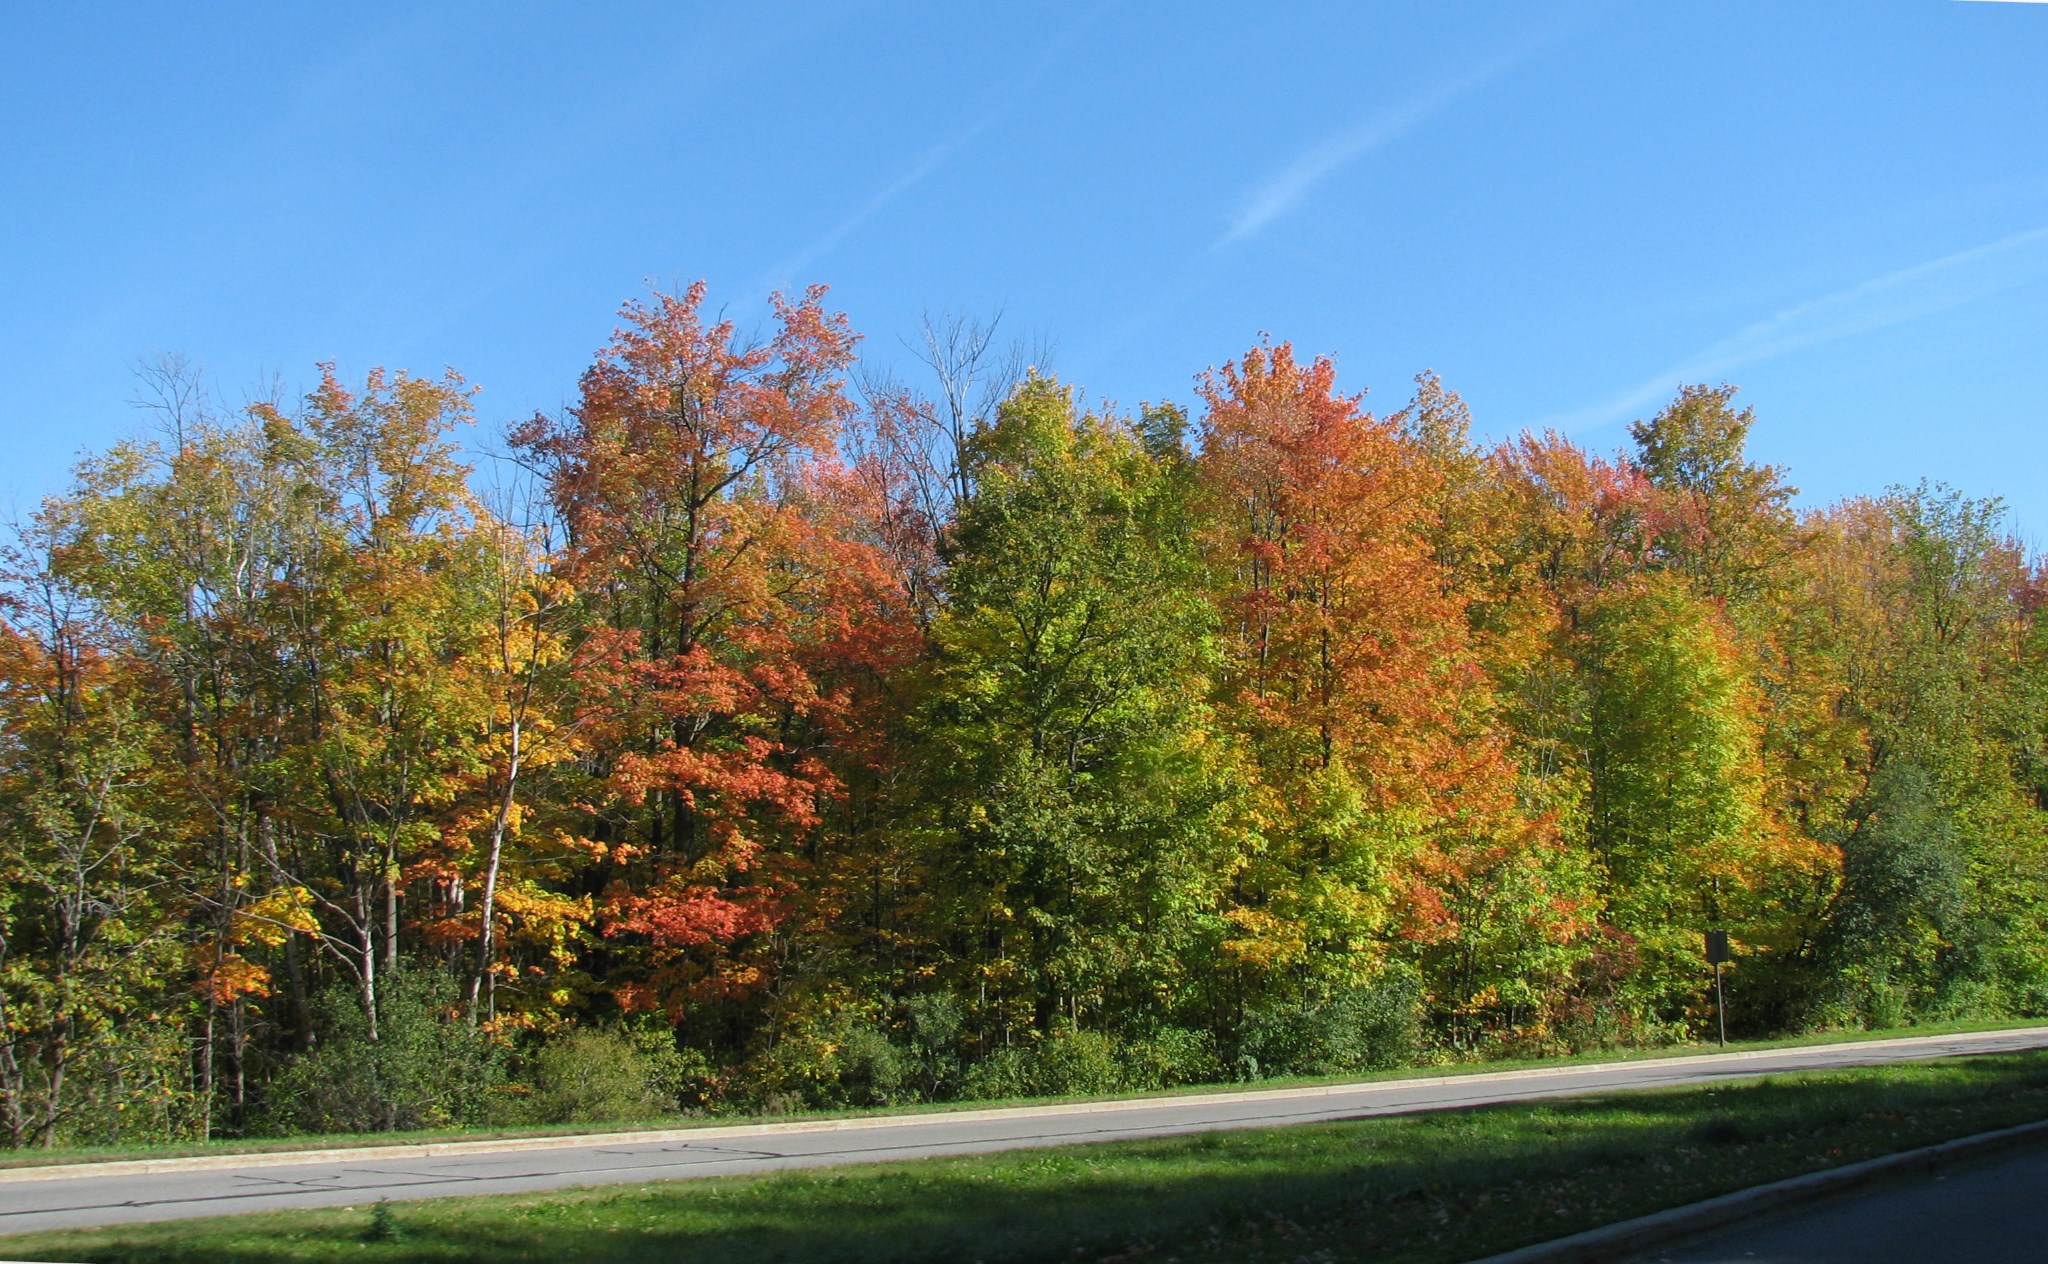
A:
[206, 1072]
[486, 938]
[12, 1087]
[367, 970]
[391, 884]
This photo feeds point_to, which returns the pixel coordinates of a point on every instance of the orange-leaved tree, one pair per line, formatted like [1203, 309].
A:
[1350, 671]
[727, 616]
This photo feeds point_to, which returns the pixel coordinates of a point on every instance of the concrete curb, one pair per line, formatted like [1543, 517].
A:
[575, 1141]
[1646, 1233]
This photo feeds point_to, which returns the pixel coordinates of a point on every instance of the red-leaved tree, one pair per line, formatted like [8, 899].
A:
[732, 619]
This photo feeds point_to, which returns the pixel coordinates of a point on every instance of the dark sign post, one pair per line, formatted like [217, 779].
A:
[1717, 953]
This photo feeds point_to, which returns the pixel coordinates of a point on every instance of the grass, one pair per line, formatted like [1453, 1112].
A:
[341, 1141]
[1432, 1187]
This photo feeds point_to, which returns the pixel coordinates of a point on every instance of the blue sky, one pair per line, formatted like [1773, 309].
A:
[1564, 208]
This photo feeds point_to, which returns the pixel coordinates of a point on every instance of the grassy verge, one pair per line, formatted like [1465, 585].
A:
[340, 1141]
[1437, 1187]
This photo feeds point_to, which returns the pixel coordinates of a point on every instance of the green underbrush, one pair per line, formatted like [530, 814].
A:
[321, 1140]
[1444, 1186]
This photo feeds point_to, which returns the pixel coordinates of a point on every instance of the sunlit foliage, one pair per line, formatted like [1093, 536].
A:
[774, 735]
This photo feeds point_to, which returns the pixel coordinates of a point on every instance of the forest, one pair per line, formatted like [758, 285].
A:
[763, 733]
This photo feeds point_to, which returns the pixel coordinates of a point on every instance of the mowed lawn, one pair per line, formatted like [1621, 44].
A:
[1445, 1186]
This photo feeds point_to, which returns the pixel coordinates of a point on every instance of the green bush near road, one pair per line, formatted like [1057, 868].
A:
[419, 1070]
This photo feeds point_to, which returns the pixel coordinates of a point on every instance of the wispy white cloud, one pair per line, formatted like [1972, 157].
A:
[937, 156]
[825, 243]
[1286, 188]
[1895, 298]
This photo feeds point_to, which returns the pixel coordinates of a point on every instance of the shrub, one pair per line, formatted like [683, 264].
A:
[129, 1082]
[931, 1026]
[850, 1056]
[1172, 1056]
[824, 1057]
[1071, 1064]
[427, 1068]
[682, 1078]
[1359, 1028]
[872, 1069]
[602, 1075]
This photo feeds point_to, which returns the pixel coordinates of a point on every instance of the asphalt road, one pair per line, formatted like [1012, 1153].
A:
[1993, 1212]
[106, 1194]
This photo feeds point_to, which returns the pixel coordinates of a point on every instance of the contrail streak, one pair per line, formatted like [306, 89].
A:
[1895, 298]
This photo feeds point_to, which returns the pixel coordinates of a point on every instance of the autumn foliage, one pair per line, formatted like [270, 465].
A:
[841, 745]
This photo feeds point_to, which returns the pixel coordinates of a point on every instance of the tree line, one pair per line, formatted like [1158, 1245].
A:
[760, 732]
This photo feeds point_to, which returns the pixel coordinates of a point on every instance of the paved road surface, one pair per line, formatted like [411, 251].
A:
[177, 1189]
[1994, 1212]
